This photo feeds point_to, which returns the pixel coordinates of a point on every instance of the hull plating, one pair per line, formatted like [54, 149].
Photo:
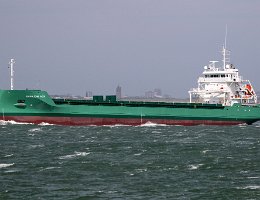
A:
[83, 121]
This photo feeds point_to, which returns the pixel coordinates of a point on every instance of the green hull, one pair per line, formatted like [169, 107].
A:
[35, 106]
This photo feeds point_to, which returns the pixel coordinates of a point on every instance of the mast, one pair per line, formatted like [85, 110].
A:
[225, 52]
[11, 65]
[226, 38]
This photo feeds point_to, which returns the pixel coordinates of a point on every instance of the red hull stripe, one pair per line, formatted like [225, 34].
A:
[84, 121]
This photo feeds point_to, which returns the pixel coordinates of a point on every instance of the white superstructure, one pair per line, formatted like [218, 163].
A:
[223, 85]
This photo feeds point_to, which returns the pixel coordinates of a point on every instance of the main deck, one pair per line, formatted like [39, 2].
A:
[111, 101]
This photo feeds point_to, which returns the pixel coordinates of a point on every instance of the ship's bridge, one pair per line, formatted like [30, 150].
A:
[213, 74]
[220, 76]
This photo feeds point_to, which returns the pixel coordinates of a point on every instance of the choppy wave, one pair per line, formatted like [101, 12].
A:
[8, 155]
[35, 130]
[194, 166]
[76, 154]
[250, 187]
[253, 177]
[37, 146]
[49, 168]
[155, 160]
[3, 165]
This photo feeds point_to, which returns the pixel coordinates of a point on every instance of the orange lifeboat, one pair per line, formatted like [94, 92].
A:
[248, 89]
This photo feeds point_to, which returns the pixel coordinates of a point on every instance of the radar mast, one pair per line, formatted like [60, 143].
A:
[225, 52]
[11, 66]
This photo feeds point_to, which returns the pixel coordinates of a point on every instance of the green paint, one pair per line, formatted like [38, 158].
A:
[39, 103]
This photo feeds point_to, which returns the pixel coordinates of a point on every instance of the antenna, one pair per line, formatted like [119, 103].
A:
[11, 64]
[225, 52]
[226, 38]
[213, 63]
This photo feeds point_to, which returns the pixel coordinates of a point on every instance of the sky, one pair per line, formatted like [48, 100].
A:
[70, 47]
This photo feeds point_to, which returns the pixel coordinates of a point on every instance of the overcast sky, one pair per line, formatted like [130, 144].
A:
[65, 46]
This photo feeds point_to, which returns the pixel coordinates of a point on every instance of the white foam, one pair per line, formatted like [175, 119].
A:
[205, 151]
[45, 124]
[141, 170]
[151, 124]
[6, 165]
[116, 125]
[50, 168]
[112, 191]
[76, 154]
[251, 187]
[37, 146]
[35, 130]
[243, 125]
[193, 167]
[156, 132]
[8, 155]
[253, 177]
[3, 122]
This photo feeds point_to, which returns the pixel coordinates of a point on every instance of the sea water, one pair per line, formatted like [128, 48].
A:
[129, 162]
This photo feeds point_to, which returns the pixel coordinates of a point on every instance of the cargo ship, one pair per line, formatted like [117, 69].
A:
[221, 98]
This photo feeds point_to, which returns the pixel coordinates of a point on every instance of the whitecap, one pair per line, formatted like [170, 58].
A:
[112, 191]
[76, 154]
[12, 171]
[37, 146]
[141, 170]
[50, 168]
[35, 130]
[205, 151]
[8, 155]
[251, 187]
[253, 177]
[193, 167]
[6, 165]
[156, 132]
